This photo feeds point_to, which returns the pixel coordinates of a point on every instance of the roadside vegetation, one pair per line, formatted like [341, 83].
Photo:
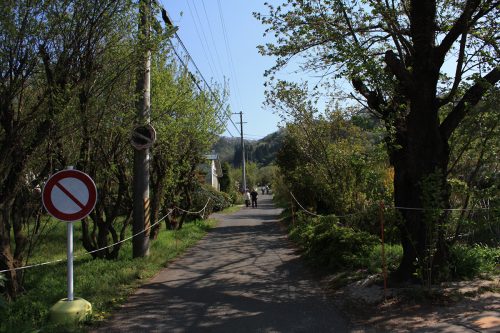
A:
[104, 283]
[389, 134]
[68, 97]
[334, 181]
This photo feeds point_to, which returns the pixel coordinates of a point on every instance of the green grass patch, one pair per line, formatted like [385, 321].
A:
[104, 283]
[232, 209]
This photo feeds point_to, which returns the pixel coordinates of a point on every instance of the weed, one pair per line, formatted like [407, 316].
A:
[104, 283]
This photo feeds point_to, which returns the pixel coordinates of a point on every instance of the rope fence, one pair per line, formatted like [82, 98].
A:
[106, 247]
[381, 216]
[392, 207]
[194, 213]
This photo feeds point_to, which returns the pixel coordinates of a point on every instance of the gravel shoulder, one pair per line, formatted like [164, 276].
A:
[466, 306]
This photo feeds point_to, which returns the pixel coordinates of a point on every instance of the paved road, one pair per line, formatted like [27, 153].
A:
[242, 277]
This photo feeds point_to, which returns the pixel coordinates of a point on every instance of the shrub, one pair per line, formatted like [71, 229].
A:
[330, 246]
[218, 200]
[368, 220]
[236, 198]
[468, 262]
[393, 254]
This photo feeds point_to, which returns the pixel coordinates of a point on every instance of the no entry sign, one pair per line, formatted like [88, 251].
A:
[69, 195]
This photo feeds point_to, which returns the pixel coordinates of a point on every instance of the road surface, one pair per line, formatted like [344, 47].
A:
[243, 276]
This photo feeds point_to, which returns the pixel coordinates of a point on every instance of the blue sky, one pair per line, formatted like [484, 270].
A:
[228, 48]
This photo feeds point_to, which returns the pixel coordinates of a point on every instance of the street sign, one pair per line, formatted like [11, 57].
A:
[69, 195]
[143, 137]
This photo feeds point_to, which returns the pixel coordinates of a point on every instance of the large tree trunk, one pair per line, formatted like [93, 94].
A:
[420, 185]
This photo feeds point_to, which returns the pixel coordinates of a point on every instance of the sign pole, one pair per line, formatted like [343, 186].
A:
[70, 260]
[69, 240]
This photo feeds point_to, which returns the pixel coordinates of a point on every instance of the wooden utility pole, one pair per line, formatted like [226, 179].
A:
[243, 165]
[141, 221]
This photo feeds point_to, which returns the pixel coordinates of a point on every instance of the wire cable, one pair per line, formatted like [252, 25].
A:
[190, 59]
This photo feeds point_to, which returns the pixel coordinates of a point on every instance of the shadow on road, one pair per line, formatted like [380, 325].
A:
[244, 276]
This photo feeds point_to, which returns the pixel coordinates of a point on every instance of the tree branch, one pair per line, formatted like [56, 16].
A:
[375, 101]
[470, 98]
[460, 26]
[458, 72]
[397, 68]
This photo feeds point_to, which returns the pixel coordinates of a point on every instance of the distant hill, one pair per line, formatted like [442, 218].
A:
[263, 151]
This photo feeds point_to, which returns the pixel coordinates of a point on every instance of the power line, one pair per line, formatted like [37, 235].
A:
[212, 35]
[196, 83]
[168, 22]
[203, 41]
[228, 50]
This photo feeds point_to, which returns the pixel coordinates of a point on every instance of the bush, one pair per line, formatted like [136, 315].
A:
[236, 198]
[331, 247]
[469, 262]
[218, 200]
[393, 254]
[368, 220]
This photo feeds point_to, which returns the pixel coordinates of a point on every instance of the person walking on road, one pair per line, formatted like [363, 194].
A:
[254, 196]
[247, 198]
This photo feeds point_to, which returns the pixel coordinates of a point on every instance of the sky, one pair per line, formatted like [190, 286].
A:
[222, 37]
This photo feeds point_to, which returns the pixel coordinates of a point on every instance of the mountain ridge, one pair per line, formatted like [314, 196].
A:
[262, 151]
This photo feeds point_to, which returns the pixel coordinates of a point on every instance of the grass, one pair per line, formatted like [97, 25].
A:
[104, 283]
[232, 209]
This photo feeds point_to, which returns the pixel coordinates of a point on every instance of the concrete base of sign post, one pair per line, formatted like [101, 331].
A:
[70, 313]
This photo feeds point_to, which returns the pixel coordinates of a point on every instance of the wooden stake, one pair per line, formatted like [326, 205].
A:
[384, 264]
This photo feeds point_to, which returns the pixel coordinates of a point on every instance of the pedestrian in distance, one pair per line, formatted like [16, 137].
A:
[254, 196]
[247, 198]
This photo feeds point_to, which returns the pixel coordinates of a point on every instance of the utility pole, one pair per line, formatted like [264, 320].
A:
[140, 243]
[243, 170]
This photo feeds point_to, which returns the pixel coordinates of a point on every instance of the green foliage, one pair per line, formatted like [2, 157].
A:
[262, 152]
[471, 261]
[266, 175]
[374, 262]
[331, 247]
[368, 220]
[419, 104]
[226, 182]
[473, 173]
[328, 163]
[236, 197]
[72, 100]
[105, 284]
[217, 201]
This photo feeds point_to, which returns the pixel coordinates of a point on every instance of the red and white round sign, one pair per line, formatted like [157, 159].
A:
[69, 195]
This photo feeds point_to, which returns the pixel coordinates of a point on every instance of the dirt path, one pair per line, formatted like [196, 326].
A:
[244, 276]
[457, 307]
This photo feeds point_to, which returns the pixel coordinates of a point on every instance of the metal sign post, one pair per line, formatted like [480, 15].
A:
[69, 237]
[69, 195]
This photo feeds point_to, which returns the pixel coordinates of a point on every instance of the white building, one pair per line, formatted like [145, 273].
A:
[214, 171]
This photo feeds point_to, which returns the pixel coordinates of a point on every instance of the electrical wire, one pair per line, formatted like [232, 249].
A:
[203, 39]
[228, 50]
[199, 73]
